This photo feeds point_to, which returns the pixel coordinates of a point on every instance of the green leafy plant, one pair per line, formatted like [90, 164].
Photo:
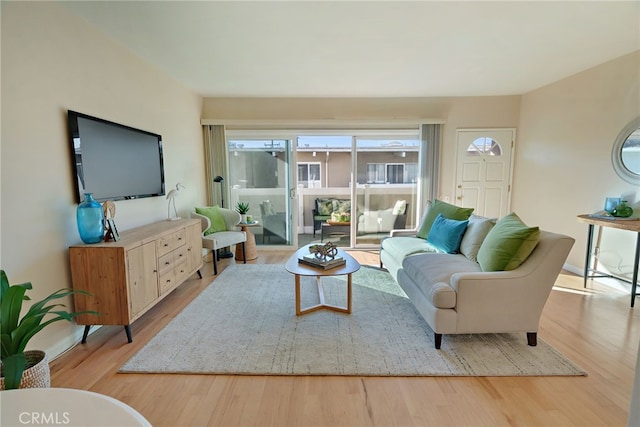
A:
[242, 207]
[17, 332]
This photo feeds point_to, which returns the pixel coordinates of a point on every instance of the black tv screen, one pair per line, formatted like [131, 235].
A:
[114, 161]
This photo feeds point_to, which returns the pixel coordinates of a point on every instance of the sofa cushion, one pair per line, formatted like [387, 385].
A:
[508, 244]
[215, 217]
[403, 246]
[431, 273]
[447, 210]
[477, 230]
[446, 234]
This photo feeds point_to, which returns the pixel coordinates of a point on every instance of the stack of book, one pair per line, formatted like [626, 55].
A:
[323, 263]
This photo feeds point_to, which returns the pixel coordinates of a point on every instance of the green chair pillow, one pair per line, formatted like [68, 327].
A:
[216, 218]
[325, 207]
[447, 210]
[341, 206]
[507, 245]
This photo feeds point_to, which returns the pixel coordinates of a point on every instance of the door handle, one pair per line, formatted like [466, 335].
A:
[292, 193]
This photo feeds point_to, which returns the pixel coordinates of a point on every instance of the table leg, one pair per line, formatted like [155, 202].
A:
[322, 304]
[297, 280]
[587, 261]
[634, 282]
[349, 293]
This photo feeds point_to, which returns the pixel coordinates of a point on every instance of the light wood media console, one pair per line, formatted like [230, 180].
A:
[128, 277]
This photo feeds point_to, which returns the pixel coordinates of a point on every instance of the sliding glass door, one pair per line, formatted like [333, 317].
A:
[372, 174]
[386, 183]
[259, 174]
[368, 179]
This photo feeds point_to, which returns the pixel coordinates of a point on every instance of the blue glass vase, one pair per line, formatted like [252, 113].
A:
[90, 220]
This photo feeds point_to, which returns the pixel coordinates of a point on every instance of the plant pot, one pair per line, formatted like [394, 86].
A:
[37, 373]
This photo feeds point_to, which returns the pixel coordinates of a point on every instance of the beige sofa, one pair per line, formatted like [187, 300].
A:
[455, 296]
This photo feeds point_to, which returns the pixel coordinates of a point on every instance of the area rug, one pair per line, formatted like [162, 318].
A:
[244, 322]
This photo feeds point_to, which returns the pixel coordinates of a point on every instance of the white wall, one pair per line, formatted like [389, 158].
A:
[563, 157]
[51, 62]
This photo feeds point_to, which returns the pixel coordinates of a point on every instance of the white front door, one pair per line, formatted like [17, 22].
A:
[484, 170]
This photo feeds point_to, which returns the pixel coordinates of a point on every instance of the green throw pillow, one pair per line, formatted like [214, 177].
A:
[325, 206]
[508, 244]
[216, 218]
[447, 210]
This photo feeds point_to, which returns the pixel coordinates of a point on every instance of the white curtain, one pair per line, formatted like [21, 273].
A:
[430, 135]
[215, 164]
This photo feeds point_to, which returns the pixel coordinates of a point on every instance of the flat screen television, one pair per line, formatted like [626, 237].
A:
[114, 161]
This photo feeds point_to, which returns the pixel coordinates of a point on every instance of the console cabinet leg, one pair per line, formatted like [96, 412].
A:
[127, 329]
[85, 334]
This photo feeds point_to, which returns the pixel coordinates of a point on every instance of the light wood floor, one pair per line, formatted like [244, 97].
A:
[596, 329]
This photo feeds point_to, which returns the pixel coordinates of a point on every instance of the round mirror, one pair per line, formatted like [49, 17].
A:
[626, 153]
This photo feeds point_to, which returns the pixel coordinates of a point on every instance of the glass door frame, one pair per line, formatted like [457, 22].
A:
[294, 211]
[288, 191]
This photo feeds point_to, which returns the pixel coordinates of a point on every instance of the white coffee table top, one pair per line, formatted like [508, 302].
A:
[65, 406]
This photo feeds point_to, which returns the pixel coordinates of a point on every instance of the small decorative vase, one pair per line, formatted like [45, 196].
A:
[243, 218]
[90, 220]
[622, 210]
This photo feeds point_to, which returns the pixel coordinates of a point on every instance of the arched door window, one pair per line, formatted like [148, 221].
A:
[486, 146]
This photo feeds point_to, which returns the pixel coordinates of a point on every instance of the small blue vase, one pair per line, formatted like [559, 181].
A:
[90, 220]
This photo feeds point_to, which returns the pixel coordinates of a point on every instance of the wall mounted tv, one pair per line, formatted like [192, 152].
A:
[113, 161]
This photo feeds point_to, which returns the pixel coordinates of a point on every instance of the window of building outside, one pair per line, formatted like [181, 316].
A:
[392, 173]
[309, 174]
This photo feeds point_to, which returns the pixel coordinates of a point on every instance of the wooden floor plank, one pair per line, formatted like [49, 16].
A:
[595, 328]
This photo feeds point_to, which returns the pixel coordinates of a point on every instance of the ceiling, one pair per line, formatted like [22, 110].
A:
[368, 48]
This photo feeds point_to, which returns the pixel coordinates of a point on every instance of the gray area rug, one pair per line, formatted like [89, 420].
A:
[244, 322]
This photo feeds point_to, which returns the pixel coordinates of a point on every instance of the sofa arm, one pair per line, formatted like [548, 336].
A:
[404, 233]
[501, 301]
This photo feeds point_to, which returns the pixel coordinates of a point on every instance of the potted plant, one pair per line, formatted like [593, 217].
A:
[16, 333]
[242, 208]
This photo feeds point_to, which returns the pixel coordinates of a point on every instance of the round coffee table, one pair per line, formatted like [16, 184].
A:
[297, 269]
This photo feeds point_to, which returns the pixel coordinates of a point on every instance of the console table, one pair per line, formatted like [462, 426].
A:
[629, 225]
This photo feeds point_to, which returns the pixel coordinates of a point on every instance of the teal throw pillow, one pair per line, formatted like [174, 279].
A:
[447, 210]
[508, 244]
[216, 218]
[325, 206]
[446, 234]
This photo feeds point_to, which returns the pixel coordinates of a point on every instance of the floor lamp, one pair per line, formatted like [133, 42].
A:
[225, 252]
